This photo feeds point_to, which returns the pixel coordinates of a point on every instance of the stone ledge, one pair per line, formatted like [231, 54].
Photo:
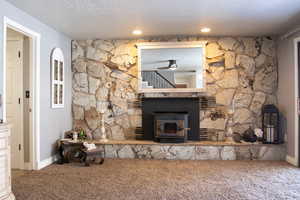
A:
[192, 150]
[189, 143]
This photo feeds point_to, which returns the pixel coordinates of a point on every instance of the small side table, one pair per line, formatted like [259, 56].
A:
[70, 151]
[88, 155]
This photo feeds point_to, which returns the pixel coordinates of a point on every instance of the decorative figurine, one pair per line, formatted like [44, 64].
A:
[237, 137]
[249, 135]
[221, 136]
[229, 133]
[90, 146]
[75, 136]
[82, 135]
[259, 133]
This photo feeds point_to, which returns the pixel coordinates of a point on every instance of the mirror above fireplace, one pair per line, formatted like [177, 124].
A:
[171, 67]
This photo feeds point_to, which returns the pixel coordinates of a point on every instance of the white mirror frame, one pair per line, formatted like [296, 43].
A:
[161, 45]
[57, 55]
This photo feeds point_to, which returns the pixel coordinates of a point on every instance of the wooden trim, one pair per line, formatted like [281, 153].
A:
[291, 160]
[46, 162]
[296, 127]
[156, 45]
[34, 84]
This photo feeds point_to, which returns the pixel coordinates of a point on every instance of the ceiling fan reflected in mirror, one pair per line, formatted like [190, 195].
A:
[172, 65]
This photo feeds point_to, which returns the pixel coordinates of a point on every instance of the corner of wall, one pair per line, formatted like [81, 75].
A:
[46, 162]
[291, 160]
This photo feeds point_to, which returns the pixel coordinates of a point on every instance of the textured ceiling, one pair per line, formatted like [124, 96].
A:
[89, 19]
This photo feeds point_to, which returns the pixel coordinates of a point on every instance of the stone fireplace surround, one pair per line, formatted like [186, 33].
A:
[239, 69]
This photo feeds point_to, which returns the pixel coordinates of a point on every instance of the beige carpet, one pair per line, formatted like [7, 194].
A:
[161, 179]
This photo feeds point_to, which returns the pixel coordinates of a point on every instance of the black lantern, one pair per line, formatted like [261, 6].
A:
[271, 125]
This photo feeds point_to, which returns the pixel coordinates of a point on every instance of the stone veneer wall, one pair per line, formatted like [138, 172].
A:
[195, 152]
[240, 69]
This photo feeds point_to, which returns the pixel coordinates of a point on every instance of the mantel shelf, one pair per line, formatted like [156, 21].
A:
[189, 143]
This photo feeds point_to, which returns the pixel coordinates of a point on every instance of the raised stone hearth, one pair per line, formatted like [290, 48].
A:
[192, 150]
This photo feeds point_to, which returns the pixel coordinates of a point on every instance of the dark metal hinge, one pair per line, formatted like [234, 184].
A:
[19, 147]
[19, 100]
[19, 54]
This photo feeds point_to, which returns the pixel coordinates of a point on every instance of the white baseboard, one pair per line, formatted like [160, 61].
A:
[44, 163]
[291, 160]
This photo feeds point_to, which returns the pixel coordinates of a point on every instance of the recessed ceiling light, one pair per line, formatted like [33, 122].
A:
[137, 32]
[205, 30]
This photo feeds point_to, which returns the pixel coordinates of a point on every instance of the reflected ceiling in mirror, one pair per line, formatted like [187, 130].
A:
[172, 67]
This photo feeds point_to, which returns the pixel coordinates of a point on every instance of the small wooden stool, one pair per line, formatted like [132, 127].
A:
[92, 154]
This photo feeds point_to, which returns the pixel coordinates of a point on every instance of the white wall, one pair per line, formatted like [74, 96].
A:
[286, 87]
[53, 121]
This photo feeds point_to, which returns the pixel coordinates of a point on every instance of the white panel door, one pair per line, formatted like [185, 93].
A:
[14, 100]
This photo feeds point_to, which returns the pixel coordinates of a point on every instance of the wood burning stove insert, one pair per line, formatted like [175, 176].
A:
[170, 119]
[170, 127]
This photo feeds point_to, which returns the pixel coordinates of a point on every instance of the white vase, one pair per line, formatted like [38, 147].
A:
[75, 136]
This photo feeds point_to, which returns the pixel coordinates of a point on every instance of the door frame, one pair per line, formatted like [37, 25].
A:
[297, 106]
[35, 40]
